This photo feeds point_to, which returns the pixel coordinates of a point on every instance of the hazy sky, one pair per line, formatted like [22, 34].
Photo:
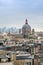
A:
[14, 12]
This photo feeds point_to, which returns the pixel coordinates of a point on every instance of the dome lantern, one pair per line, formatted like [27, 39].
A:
[26, 21]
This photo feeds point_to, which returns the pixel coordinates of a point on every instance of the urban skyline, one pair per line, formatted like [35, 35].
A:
[21, 32]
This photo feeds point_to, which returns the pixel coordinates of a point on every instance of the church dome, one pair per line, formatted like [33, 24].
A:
[26, 27]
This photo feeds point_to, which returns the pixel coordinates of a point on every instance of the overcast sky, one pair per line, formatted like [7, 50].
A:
[14, 12]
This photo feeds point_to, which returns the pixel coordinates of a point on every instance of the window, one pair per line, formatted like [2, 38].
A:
[28, 63]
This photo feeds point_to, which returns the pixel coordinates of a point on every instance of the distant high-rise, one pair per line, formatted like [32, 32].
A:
[33, 31]
[20, 31]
